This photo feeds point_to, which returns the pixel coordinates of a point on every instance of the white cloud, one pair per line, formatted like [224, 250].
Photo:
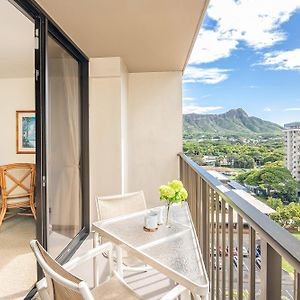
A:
[206, 76]
[283, 60]
[267, 109]
[189, 109]
[188, 99]
[257, 23]
[210, 46]
[293, 109]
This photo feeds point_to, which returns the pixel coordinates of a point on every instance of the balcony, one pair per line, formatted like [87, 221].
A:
[226, 223]
[134, 132]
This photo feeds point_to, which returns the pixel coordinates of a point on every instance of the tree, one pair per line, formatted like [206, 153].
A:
[244, 161]
[274, 202]
[274, 178]
[287, 216]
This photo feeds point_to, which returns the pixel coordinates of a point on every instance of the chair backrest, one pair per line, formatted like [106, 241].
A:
[61, 284]
[17, 180]
[118, 205]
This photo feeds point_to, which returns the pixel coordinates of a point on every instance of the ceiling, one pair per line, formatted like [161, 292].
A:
[17, 43]
[150, 35]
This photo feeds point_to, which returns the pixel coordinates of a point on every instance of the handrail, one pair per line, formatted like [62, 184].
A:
[279, 238]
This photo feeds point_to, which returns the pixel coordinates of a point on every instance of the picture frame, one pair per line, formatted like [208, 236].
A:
[25, 131]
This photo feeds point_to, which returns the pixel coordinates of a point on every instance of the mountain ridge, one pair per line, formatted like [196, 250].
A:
[235, 122]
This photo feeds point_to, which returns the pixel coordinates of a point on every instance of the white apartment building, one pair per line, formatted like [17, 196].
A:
[292, 148]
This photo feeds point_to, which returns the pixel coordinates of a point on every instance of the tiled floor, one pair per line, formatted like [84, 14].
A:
[151, 285]
[18, 267]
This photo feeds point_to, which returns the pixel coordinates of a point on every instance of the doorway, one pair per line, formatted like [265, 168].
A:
[57, 99]
[17, 149]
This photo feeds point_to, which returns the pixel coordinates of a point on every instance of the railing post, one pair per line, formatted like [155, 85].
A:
[223, 249]
[252, 247]
[297, 286]
[181, 162]
[212, 244]
[270, 272]
[204, 225]
[240, 229]
[230, 236]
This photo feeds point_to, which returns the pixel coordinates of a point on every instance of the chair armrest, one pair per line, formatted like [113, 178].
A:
[88, 255]
[174, 293]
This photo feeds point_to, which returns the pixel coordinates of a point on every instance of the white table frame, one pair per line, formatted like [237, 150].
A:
[196, 289]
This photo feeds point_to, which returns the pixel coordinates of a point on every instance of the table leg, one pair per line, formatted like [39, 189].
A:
[119, 261]
[197, 297]
[96, 260]
[186, 295]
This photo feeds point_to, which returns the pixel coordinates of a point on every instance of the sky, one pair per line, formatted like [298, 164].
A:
[247, 55]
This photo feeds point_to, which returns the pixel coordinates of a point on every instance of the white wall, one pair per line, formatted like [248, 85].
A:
[15, 94]
[108, 101]
[154, 131]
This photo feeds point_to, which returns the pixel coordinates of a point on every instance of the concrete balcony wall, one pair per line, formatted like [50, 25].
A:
[135, 129]
[108, 102]
[154, 131]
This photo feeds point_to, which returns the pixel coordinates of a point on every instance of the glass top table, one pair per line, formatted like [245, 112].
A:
[174, 250]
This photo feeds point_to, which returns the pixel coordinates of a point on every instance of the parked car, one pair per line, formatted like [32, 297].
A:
[235, 251]
[245, 252]
[258, 262]
[215, 251]
[257, 253]
[235, 261]
[258, 249]
[220, 264]
[227, 251]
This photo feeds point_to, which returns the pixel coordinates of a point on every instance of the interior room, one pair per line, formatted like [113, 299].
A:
[17, 152]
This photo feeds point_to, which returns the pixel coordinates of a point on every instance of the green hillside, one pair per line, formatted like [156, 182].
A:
[235, 122]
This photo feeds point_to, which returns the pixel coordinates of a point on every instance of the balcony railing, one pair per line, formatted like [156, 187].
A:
[225, 223]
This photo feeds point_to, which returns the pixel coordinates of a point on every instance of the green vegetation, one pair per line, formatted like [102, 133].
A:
[236, 154]
[297, 235]
[235, 122]
[273, 179]
[285, 265]
[288, 216]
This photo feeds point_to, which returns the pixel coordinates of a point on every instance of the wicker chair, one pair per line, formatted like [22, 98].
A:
[17, 183]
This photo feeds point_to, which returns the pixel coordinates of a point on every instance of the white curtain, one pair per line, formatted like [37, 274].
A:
[63, 148]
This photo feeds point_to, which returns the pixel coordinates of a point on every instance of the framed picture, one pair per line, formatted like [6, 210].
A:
[25, 132]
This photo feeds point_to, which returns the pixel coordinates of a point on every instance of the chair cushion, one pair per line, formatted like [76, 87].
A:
[114, 289]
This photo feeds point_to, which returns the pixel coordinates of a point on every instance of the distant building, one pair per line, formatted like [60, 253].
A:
[229, 184]
[219, 176]
[292, 148]
[210, 160]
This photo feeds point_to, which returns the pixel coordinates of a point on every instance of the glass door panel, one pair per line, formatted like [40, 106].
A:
[64, 193]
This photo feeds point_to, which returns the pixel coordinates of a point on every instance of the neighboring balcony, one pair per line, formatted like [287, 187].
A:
[226, 223]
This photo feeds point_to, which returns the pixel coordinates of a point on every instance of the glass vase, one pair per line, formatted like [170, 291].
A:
[168, 215]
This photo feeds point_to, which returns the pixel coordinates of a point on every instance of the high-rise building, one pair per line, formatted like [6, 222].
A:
[292, 148]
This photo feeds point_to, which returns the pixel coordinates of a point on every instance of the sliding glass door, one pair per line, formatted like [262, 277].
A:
[64, 192]
[62, 137]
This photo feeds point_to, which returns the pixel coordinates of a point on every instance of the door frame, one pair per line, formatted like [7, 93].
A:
[46, 26]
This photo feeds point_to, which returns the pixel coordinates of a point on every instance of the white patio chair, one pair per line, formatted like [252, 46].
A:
[118, 205]
[60, 284]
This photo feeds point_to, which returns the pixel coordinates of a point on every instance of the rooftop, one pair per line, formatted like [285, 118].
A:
[293, 125]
